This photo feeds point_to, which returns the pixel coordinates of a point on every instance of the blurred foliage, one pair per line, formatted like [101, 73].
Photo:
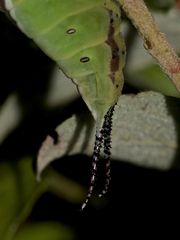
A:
[18, 193]
[160, 5]
[151, 77]
[45, 231]
[35, 97]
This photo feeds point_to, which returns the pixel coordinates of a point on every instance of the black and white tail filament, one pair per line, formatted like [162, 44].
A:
[102, 140]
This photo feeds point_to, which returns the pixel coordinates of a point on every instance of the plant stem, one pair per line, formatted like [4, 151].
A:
[154, 41]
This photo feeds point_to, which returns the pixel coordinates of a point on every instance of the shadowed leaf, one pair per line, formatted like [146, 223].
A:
[145, 132]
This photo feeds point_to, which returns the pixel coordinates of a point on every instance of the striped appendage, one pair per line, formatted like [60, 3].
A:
[96, 156]
[103, 139]
[107, 129]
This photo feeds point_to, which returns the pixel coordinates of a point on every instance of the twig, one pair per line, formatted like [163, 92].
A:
[154, 41]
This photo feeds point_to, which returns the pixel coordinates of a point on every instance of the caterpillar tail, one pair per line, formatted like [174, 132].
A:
[95, 160]
[107, 130]
[102, 140]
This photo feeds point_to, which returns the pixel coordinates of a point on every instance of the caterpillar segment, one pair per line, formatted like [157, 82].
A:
[84, 38]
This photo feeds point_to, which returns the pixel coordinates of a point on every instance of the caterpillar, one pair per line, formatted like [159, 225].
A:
[83, 37]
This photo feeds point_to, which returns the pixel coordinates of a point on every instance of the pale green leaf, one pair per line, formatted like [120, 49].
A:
[145, 132]
[150, 76]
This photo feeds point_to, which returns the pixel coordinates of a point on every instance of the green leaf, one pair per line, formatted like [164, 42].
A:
[160, 4]
[45, 231]
[18, 193]
[151, 77]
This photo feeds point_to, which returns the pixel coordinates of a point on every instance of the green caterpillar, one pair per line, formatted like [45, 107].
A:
[83, 38]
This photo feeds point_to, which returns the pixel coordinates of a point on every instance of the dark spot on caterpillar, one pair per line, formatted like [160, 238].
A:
[84, 59]
[123, 52]
[114, 49]
[117, 85]
[115, 53]
[111, 20]
[71, 31]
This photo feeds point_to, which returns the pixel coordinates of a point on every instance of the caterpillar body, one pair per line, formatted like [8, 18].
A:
[83, 37]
